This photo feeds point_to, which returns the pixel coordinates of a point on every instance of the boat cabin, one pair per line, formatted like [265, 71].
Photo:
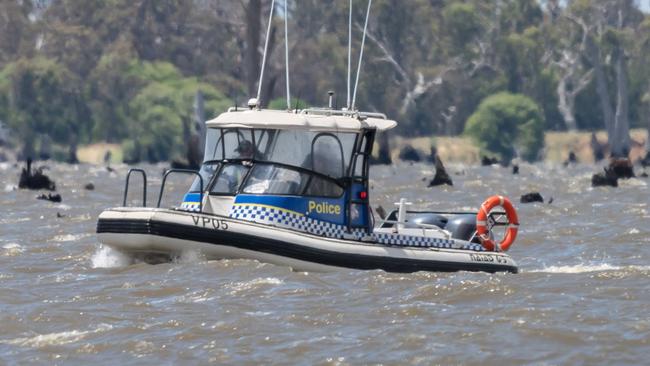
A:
[304, 170]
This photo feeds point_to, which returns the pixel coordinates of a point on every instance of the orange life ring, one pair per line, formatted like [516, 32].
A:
[482, 228]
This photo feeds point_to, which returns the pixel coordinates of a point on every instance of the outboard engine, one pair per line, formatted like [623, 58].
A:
[429, 219]
[463, 227]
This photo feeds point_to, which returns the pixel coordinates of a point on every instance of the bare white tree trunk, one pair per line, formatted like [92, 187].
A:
[594, 55]
[601, 88]
[415, 87]
[566, 105]
[571, 84]
[412, 90]
[616, 122]
[621, 141]
[566, 94]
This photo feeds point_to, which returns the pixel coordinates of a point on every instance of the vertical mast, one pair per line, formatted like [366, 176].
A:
[266, 46]
[349, 53]
[363, 42]
[286, 53]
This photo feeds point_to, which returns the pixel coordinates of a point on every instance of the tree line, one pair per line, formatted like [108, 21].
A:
[74, 72]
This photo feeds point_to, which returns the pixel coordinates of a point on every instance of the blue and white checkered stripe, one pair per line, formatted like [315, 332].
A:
[190, 206]
[422, 241]
[292, 220]
[288, 219]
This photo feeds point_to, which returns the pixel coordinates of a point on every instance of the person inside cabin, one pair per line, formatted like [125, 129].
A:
[245, 150]
[231, 175]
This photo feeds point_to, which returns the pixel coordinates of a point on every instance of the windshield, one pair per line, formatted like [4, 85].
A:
[206, 172]
[326, 153]
[229, 179]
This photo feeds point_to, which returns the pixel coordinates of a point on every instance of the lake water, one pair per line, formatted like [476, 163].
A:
[582, 297]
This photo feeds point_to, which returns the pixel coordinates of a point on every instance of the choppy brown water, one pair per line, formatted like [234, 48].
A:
[582, 297]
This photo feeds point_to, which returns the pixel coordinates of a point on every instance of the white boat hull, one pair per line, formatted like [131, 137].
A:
[172, 232]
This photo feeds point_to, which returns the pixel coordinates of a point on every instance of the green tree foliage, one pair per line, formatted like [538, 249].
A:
[15, 30]
[463, 24]
[38, 98]
[162, 111]
[507, 124]
[281, 103]
[428, 64]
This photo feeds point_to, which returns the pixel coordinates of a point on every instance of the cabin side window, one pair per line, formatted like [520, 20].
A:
[323, 187]
[206, 172]
[229, 179]
[309, 149]
[327, 156]
[213, 148]
[272, 179]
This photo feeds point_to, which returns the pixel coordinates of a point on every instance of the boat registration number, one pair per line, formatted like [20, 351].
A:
[210, 222]
[488, 258]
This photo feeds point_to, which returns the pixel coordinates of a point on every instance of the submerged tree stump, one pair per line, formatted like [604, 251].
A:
[381, 212]
[433, 153]
[622, 167]
[409, 153]
[486, 161]
[607, 178]
[35, 180]
[571, 159]
[618, 168]
[597, 148]
[383, 157]
[441, 176]
[531, 197]
[50, 197]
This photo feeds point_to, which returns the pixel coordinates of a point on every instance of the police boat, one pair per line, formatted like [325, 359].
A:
[291, 188]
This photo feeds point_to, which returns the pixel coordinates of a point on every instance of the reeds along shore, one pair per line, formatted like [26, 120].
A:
[558, 146]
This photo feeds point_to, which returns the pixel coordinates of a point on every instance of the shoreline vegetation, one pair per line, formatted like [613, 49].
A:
[557, 146]
[452, 149]
[503, 72]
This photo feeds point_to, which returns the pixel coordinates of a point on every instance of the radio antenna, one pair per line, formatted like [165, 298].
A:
[286, 52]
[349, 53]
[266, 47]
[363, 42]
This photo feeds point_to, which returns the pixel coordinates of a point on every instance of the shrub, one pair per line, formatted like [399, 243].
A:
[507, 125]
[281, 103]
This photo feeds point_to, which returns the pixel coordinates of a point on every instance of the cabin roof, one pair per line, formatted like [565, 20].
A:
[309, 119]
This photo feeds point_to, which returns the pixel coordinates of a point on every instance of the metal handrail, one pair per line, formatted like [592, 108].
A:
[495, 222]
[455, 213]
[144, 186]
[182, 171]
[325, 111]
[420, 226]
[337, 112]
